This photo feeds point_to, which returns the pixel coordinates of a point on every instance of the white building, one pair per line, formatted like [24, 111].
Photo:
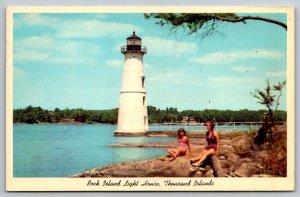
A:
[133, 116]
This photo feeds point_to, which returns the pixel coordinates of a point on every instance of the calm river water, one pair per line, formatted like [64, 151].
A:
[55, 150]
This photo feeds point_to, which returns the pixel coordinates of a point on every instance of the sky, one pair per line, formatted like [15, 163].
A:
[74, 61]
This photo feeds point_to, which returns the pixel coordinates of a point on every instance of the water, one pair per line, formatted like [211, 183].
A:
[53, 150]
[61, 150]
[157, 127]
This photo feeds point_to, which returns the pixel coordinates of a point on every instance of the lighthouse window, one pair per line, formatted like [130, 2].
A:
[143, 81]
[144, 98]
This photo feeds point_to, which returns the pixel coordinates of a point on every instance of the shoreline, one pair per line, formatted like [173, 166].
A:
[236, 159]
[149, 132]
[161, 133]
[254, 123]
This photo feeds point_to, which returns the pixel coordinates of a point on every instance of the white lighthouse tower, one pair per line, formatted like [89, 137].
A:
[133, 116]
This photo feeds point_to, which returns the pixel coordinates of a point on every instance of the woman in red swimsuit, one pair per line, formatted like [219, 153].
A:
[213, 145]
[184, 145]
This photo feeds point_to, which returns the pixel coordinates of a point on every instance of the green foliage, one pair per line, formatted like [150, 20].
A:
[30, 115]
[205, 23]
[34, 115]
[192, 22]
[159, 116]
[270, 97]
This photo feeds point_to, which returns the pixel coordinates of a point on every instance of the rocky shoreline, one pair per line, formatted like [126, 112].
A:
[237, 158]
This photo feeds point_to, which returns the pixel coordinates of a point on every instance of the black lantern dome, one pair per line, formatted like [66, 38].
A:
[134, 44]
[133, 37]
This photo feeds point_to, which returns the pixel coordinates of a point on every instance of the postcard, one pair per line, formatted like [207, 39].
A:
[150, 98]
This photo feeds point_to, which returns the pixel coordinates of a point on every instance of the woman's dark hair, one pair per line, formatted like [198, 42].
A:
[211, 124]
[181, 130]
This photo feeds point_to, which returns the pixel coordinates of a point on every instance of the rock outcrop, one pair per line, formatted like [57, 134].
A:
[236, 159]
[242, 142]
[159, 167]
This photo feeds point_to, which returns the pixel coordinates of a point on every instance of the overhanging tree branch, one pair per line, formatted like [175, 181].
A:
[244, 18]
[206, 23]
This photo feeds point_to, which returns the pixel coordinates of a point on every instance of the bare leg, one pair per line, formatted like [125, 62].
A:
[181, 151]
[204, 156]
[196, 158]
[177, 152]
[172, 152]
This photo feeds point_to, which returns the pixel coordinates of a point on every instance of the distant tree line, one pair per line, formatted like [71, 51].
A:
[172, 114]
[34, 115]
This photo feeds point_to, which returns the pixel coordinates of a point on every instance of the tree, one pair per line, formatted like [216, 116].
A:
[269, 97]
[207, 22]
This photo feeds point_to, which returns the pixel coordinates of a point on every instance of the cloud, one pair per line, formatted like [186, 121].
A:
[114, 63]
[244, 68]
[276, 74]
[172, 78]
[29, 56]
[48, 50]
[238, 81]
[34, 19]
[95, 28]
[229, 57]
[32, 49]
[164, 47]
[60, 48]
[76, 28]
[35, 42]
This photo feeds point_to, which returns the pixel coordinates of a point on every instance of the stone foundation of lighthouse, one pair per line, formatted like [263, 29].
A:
[132, 114]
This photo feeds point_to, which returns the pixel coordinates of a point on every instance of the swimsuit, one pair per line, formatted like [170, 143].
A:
[211, 142]
[182, 143]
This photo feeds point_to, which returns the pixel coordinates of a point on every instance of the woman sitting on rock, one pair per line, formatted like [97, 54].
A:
[184, 145]
[212, 148]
